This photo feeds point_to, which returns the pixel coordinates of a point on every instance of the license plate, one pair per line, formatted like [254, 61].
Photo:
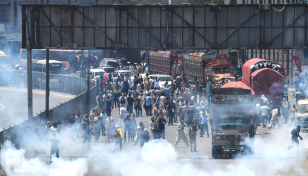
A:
[230, 143]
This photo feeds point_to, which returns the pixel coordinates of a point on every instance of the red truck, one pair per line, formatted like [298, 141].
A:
[265, 77]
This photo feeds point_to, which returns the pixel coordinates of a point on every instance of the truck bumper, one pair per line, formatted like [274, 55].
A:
[233, 149]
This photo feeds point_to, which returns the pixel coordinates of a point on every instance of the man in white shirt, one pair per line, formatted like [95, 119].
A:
[130, 83]
[264, 114]
[146, 70]
[123, 113]
[131, 69]
[156, 83]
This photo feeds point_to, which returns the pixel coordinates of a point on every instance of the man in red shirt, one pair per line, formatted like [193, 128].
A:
[186, 96]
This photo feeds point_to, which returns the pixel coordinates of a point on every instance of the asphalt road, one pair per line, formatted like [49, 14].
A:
[271, 156]
[13, 104]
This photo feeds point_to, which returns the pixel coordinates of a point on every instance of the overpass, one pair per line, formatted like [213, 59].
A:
[266, 26]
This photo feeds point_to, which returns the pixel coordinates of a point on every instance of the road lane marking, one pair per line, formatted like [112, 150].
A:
[1, 106]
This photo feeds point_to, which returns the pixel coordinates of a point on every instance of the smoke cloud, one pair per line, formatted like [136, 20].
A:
[158, 157]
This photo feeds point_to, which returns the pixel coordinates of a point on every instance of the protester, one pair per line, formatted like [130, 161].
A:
[108, 105]
[130, 104]
[144, 137]
[181, 134]
[123, 113]
[87, 133]
[151, 126]
[295, 136]
[170, 109]
[98, 127]
[78, 119]
[298, 95]
[137, 104]
[117, 137]
[190, 115]
[192, 132]
[203, 123]
[110, 126]
[54, 146]
[123, 100]
[156, 132]
[161, 125]
[274, 119]
[264, 114]
[133, 128]
[140, 128]
[156, 83]
[149, 105]
[128, 125]
[167, 90]
[285, 108]
[186, 96]
[72, 126]
[292, 112]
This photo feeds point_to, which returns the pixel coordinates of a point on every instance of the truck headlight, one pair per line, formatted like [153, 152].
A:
[217, 137]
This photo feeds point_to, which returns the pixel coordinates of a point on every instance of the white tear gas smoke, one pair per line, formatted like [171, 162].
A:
[158, 157]
[15, 163]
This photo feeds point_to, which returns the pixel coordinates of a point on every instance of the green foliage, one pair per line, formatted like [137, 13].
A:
[216, 2]
[196, 2]
[200, 2]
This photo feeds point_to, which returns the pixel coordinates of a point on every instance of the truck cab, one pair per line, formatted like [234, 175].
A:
[231, 118]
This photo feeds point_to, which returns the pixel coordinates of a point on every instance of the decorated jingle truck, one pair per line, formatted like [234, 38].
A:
[232, 120]
[219, 69]
[265, 77]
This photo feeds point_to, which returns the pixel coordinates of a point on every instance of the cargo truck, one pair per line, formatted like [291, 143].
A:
[232, 120]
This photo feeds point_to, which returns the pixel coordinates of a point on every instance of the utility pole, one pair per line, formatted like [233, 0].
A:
[29, 63]
[88, 83]
[47, 85]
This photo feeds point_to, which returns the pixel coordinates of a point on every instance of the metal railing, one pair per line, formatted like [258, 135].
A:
[59, 83]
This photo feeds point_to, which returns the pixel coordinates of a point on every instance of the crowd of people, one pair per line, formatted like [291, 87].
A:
[121, 100]
[269, 112]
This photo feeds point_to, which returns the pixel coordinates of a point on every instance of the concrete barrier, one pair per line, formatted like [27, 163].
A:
[19, 133]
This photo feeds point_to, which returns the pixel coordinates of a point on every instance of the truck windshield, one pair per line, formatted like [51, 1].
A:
[231, 121]
[303, 108]
[221, 70]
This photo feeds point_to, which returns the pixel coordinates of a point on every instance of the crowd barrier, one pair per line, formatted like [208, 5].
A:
[19, 133]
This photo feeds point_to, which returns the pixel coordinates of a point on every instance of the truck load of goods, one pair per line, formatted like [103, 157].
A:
[159, 62]
[192, 65]
[219, 69]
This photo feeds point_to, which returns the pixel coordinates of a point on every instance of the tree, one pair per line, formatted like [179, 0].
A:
[201, 2]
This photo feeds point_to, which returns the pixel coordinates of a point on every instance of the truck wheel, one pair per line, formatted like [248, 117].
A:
[214, 152]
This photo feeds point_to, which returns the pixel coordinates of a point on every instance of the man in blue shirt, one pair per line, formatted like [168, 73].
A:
[148, 101]
[203, 123]
[115, 79]
[167, 90]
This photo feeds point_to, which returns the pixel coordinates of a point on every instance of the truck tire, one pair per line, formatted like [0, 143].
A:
[214, 152]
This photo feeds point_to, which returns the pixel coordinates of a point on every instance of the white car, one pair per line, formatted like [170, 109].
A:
[162, 79]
